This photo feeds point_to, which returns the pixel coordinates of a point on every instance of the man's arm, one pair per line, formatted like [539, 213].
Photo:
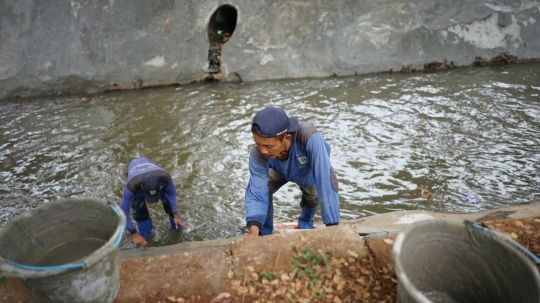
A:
[256, 198]
[170, 194]
[320, 161]
[125, 205]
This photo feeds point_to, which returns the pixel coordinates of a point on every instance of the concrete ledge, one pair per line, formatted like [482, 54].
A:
[194, 246]
[390, 222]
[396, 221]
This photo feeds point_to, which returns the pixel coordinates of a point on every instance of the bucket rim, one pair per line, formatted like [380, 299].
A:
[403, 279]
[398, 267]
[22, 270]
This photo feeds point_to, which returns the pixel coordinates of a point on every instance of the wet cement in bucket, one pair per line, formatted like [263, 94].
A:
[63, 236]
[70, 251]
[438, 297]
[447, 261]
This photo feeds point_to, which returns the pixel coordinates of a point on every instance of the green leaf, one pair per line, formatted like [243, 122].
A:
[300, 274]
[537, 220]
[320, 294]
[268, 274]
[513, 235]
[3, 280]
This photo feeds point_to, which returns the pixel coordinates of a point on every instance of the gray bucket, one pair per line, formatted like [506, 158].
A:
[93, 276]
[449, 262]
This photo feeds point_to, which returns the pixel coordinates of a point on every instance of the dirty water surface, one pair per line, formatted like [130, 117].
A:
[468, 136]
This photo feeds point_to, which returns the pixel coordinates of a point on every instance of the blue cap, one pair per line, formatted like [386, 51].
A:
[151, 187]
[273, 122]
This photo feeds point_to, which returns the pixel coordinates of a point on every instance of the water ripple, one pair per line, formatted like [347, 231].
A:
[467, 131]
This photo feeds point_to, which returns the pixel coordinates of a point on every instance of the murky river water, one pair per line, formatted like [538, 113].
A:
[473, 132]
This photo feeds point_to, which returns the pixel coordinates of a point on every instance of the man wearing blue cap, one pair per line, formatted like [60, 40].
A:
[148, 183]
[284, 151]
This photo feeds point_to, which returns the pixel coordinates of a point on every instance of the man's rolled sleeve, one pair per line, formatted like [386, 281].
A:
[256, 199]
[125, 205]
[170, 194]
[320, 162]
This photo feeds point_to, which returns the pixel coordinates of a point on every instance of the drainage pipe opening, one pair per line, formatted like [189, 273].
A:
[220, 29]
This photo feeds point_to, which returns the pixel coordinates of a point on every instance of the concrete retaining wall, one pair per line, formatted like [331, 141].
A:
[55, 46]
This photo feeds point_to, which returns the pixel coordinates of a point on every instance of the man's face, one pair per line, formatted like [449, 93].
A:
[272, 147]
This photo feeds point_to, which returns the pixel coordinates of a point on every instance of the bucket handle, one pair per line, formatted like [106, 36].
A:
[525, 250]
[13, 269]
[113, 242]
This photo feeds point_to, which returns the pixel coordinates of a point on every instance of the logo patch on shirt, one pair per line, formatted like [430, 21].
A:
[303, 160]
[152, 192]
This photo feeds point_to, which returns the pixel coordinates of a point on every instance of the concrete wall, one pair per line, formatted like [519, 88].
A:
[56, 46]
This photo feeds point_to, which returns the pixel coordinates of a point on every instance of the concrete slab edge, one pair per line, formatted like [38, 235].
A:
[376, 225]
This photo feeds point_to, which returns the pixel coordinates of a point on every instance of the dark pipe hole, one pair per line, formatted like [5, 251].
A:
[220, 29]
[222, 25]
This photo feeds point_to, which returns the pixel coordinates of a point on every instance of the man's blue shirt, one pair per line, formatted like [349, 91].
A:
[308, 164]
[137, 170]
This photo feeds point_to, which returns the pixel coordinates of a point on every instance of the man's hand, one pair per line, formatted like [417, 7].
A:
[253, 232]
[139, 240]
[177, 222]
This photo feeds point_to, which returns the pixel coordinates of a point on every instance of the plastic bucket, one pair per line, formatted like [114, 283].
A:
[91, 277]
[448, 262]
